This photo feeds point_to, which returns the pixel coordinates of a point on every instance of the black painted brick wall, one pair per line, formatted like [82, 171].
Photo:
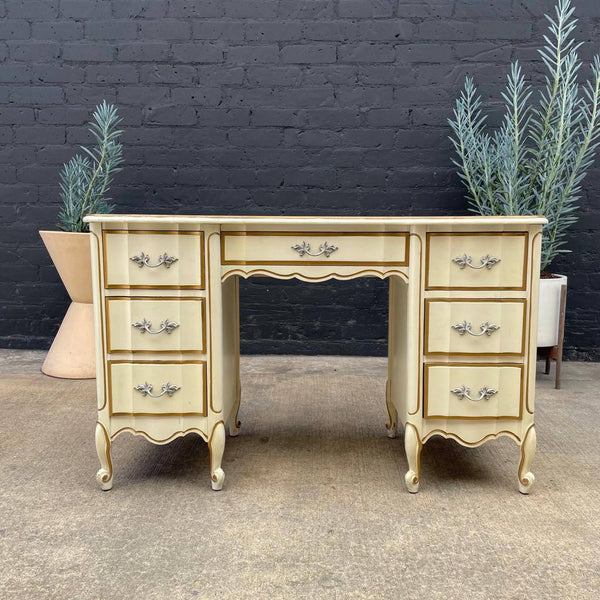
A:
[261, 107]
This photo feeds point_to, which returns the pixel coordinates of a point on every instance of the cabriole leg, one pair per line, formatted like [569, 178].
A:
[216, 447]
[234, 424]
[526, 477]
[392, 424]
[412, 446]
[105, 473]
[234, 427]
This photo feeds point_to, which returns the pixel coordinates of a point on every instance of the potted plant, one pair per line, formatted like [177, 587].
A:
[84, 184]
[535, 162]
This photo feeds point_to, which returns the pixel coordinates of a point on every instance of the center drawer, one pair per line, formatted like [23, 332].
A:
[465, 391]
[318, 248]
[475, 327]
[136, 259]
[148, 324]
[160, 388]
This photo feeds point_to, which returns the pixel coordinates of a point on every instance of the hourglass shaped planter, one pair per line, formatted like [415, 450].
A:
[72, 354]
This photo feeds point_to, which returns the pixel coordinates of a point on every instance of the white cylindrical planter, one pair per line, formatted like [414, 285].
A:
[549, 310]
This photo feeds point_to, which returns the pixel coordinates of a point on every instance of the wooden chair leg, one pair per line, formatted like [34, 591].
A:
[561, 335]
[548, 362]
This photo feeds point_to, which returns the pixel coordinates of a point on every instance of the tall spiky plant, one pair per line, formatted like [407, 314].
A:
[85, 179]
[536, 161]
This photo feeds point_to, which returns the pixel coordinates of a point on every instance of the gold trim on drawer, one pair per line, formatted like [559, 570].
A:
[204, 412]
[202, 301]
[431, 234]
[119, 286]
[522, 301]
[491, 366]
[329, 234]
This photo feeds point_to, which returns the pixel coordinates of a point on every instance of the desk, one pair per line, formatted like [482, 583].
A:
[462, 323]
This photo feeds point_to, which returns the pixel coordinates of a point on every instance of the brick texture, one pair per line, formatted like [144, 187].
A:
[291, 107]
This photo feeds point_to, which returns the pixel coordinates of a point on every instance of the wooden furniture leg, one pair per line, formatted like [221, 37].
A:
[392, 424]
[216, 447]
[412, 446]
[526, 477]
[234, 424]
[561, 335]
[105, 473]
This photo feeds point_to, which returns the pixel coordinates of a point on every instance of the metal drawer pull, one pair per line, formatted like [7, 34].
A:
[324, 249]
[143, 260]
[487, 261]
[145, 389]
[464, 392]
[145, 326]
[486, 328]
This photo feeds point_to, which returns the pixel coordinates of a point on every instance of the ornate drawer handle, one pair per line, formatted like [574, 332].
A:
[145, 389]
[143, 260]
[145, 326]
[464, 392]
[486, 328]
[304, 248]
[487, 261]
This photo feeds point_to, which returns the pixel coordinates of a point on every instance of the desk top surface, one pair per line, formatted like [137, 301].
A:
[314, 220]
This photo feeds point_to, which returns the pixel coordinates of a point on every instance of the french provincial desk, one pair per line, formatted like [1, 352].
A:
[462, 322]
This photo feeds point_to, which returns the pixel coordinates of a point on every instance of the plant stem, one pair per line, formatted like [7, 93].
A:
[86, 198]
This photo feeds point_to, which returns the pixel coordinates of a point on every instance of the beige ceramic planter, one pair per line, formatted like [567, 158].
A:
[72, 353]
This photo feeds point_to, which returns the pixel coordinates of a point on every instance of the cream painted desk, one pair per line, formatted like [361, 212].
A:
[463, 317]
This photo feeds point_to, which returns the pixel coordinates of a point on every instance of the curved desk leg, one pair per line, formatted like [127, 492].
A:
[234, 424]
[526, 477]
[105, 473]
[234, 427]
[413, 446]
[392, 424]
[216, 447]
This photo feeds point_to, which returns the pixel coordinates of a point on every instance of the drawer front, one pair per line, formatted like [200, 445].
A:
[495, 391]
[163, 388]
[275, 248]
[472, 261]
[475, 327]
[154, 259]
[155, 325]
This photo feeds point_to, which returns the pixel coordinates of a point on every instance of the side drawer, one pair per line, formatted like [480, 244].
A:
[475, 327]
[319, 248]
[153, 259]
[147, 324]
[476, 261]
[161, 388]
[464, 391]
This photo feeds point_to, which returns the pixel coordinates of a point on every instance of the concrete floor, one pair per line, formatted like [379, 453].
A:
[313, 506]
